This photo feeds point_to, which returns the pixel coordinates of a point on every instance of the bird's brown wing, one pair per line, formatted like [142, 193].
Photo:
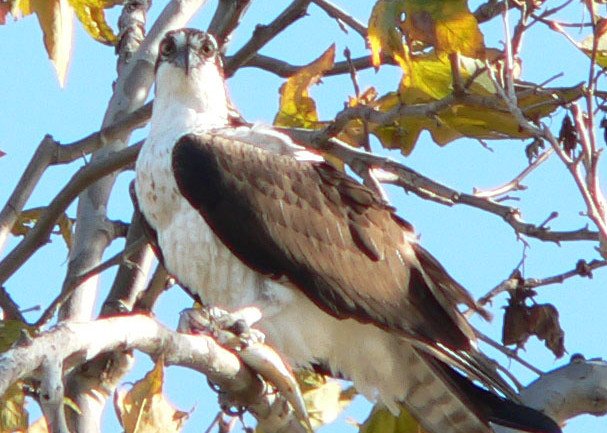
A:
[326, 233]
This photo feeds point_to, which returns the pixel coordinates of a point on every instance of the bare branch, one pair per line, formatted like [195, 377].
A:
[285, 70]
[10, 309]
[342, 16]
[577, 388]
[40, 233]
[514, 184]
[412, 181]
[50, 152]
[264, 33]
[226, 19]
[71, 344]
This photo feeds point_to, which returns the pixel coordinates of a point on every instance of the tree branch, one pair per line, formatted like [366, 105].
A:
[264, 33]
[342, 16]
[285, 70]
[71, 344]
[40, 233]
[412, 181]
[226, 19]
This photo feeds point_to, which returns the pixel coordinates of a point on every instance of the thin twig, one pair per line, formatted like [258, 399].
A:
[69, 286]
[508, 352]
[514, 184]
[342, 16]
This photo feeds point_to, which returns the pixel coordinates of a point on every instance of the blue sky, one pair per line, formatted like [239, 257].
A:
[478, 249]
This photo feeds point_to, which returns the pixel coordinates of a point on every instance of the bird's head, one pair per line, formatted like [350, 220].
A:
[189, 71]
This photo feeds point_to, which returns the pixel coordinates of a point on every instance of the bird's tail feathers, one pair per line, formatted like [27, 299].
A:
[493, 408]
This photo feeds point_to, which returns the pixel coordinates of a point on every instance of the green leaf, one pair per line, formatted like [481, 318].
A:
[297, 108]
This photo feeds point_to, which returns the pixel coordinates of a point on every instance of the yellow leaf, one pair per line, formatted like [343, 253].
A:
[56, 19]
[382, 421]
[324, 397]
[29, 217]
[449, 26]
[21, 8]
[431, 80]
[10, 331]
[39, 426]
[297, 109]
[144, 409]
[91, 14]
[384, 33]
[13, 416]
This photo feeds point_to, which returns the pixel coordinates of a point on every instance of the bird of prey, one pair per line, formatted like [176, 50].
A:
[244, 216]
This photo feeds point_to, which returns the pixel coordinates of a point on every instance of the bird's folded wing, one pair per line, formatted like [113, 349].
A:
[327, 234]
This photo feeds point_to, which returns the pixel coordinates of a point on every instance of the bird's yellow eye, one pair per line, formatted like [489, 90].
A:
[208, 47]
[167, 47]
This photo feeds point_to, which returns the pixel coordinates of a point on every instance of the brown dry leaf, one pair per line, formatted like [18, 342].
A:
[384, 32]
[542, 320]
[144, 409]
[544, 323]
[296, 108]
[56, 19]
[382, 421]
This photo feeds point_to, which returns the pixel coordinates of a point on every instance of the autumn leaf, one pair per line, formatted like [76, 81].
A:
[325, 399]
[296, 108]
[431, 80]
[13, 416]
[92, 16]
[56, 18]
[522, 321]
[449, 26]
[29, 217]
[5, 8]
[145, 409]
[38, 426]
[381, 420]
[384, 32]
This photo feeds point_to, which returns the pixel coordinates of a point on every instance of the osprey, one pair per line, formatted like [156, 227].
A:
[243, 216]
